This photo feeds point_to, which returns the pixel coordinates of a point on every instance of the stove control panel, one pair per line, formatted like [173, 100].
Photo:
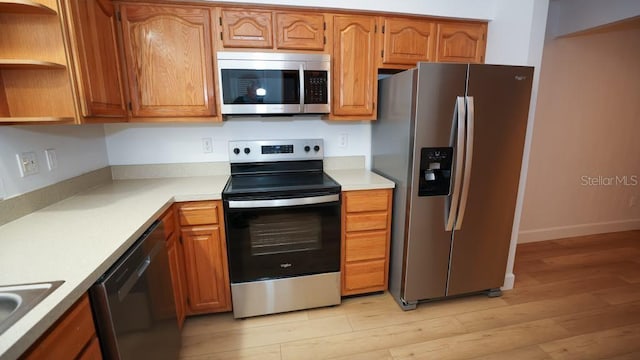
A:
[275, 150]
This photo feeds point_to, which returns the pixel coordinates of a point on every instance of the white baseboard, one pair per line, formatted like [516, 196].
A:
[559, 232]
[509, 281]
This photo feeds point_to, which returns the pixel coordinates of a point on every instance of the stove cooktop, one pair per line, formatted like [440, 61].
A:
[278, 168]
[298, 183]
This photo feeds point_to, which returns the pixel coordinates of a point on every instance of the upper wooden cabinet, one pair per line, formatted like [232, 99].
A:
[93, 31]
[296, 31]
[354, 72]
[168, 60]
[246, 29]
[35, 70]
[461, 42]
[405, 42]
[263, 29]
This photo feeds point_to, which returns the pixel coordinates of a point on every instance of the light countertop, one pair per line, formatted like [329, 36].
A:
[359, 179]
[78, 239]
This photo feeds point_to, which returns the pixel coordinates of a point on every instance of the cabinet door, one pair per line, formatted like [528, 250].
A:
[406, 41]
[176, 266]
[206, 269]
[354, 72]
[96, 52]
[67, 338]
[169, 60]
[296, 31]
[461, 42]
[246, 29]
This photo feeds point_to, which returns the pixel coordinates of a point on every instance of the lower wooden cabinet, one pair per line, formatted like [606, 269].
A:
[73, 336]
[366, 226]
[176, 263]
[205, 251]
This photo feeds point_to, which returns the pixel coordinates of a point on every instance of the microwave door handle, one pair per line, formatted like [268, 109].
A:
[301, 69]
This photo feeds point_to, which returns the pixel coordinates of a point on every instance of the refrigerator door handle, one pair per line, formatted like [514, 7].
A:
[457, 142]
[468, 161]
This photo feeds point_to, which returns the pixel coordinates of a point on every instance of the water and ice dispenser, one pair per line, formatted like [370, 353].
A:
[435, 171]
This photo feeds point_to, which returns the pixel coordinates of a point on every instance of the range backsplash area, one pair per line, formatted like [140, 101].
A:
[183, 143]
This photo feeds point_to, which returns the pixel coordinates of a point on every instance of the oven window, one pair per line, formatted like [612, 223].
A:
[277, 233]
[269, 243]
[245, 86]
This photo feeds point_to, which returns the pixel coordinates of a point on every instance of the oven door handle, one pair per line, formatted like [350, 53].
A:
[248, 204]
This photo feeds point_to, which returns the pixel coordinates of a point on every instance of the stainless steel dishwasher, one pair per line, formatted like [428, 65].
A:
[133, 303]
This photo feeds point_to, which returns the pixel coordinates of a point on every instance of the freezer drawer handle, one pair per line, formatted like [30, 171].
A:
[457, 135]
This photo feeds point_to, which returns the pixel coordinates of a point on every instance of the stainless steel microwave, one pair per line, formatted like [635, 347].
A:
[274, 83]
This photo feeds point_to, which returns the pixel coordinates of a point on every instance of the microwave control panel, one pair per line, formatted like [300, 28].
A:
[316, 87]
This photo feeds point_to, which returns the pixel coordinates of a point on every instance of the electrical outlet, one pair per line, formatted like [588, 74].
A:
[27, 163]
[207, 145]
[52, 159]
[343, 141]
[633, 200]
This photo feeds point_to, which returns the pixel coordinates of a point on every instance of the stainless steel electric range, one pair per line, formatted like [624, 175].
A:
[282, 217]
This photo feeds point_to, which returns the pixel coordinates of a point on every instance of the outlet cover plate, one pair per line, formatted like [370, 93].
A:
[28, 163]
[52, 159]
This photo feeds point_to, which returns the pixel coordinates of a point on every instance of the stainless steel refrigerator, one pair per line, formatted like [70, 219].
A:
[451, 136]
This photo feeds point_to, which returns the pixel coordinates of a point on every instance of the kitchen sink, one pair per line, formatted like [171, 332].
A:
[17, 300]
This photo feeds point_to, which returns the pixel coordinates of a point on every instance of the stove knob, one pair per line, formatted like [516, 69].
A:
[316, 148]
[236, 151]
[307, 148]
[247, 150]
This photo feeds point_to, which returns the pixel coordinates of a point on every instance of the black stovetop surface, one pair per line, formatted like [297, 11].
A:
[289, 183]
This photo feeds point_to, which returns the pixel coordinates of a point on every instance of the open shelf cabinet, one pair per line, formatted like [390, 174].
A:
[35, 76]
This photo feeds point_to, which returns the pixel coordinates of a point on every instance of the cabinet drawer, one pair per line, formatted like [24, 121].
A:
[369, 200]
[364, 275]
[366, 246]
[169, 222]
[368, 221]
[198, 213]
[68, 336]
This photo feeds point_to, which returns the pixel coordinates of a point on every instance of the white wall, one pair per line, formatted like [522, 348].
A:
[157, 143]
[571, 16]
[520, 23]
[79, 149]
[586, 126]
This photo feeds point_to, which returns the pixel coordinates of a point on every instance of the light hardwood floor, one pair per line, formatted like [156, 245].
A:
[576, 298]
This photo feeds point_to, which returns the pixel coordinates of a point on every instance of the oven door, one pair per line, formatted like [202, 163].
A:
[278, 238]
